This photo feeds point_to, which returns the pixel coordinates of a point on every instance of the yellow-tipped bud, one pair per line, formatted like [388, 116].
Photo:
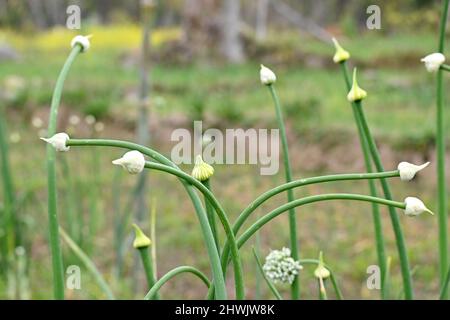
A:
[321, 272]
[202, 171]
[341, 54]
[140, 240]
[356, 93]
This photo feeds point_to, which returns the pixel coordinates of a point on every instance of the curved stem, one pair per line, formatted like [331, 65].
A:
[399, 238]
[295, 287]
[377, 223]
[306, 200]
[245, 214]
[57, 261]
[221, 214]
[440, 155]
[172, 273]
[214, 258]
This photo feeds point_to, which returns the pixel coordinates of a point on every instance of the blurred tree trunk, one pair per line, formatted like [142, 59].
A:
[200, 30]
[231, 42]
[261, 19]
[37, 13]
[56, 11]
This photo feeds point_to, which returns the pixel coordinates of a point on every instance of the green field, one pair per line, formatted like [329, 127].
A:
[400, 109]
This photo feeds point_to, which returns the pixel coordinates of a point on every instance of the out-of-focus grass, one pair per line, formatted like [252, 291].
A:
[321, 131]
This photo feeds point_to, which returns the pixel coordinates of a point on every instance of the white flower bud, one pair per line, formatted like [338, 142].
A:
[433, 61]
[132, 161]
[415, 207]
[81, 40]
[202, 171]
[58, 141]
[267, 76]
[409, 170]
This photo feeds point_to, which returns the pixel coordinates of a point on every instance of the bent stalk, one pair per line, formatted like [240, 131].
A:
[57, 261]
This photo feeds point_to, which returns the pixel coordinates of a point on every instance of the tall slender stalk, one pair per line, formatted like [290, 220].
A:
[57, 261]
[295, 287]
[213, 255]
[211, 215]
[399, 239]
[377, 223]
[88, 263]
[440, 155]
[9, 218]
[148, 268]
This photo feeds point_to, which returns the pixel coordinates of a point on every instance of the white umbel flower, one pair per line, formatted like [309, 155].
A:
[433, 61]
[267, 76]
[409, 170]
[415, 207]
[58, 141]
[280, 267]
[81, 40]
[132, 161]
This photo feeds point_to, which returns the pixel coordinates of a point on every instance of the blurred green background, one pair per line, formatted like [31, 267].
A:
[197, 73]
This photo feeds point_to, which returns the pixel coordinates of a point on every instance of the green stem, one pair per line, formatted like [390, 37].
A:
[245, 214]
[148, 267]
[377, 223]
[209, 196]
[201, 215]
[444, 289]
[172, 273]
[445, 67]
[311, 199]
[211, 216]
[440, 155]
[88, 263]
[295, 287]
[263, 274]
[400, 241]
[8, 219]
[57, 261]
